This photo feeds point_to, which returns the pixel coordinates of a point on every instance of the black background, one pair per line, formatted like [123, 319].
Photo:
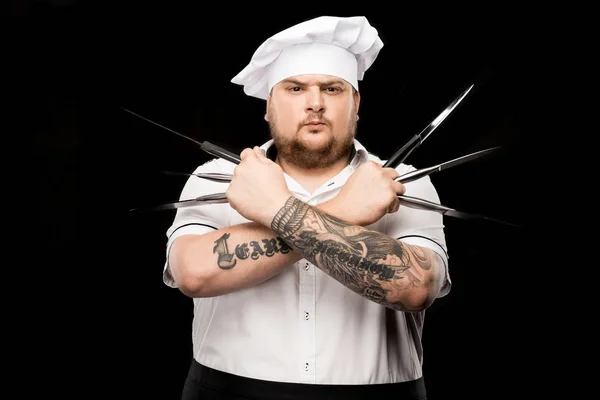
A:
[98, 266]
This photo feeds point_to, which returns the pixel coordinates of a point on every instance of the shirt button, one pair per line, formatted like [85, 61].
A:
[306, 367]
[306, 266]
[306, 315]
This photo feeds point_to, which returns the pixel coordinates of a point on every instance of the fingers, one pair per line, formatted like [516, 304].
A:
[396, 187]
[390, 172]
[247, 153]
[253, 152]
[395, 206]
[399, 189]
[260, 154]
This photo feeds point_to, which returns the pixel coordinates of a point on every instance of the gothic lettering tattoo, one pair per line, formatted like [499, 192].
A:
[368, 262]
[242, 251]
[225, 260]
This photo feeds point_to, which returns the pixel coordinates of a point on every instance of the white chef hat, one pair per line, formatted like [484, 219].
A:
[342, 47]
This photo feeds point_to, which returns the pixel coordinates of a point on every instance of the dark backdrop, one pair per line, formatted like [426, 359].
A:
[100, 265]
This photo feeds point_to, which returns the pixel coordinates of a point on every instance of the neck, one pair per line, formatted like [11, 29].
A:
[312, 179]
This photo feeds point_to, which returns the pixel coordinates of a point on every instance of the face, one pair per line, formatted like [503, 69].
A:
[312, 119]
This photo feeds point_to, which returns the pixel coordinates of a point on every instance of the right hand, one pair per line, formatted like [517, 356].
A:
[258, 188]
[368, 195]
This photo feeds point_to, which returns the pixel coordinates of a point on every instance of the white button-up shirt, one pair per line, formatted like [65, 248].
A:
[303, 326]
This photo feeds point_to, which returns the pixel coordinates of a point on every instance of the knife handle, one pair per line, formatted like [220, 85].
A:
[220, 152]
[401, 154]
[416, 174]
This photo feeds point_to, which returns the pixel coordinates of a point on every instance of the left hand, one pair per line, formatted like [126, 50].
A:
[368, 194]
[258, 188]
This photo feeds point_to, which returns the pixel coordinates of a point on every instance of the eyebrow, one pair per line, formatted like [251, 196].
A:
[326, 83]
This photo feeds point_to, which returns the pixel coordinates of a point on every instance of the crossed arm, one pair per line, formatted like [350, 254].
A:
[395, 274]
[400, 276]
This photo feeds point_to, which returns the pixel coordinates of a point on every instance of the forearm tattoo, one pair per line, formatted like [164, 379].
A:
[368, 262]
[267, 247]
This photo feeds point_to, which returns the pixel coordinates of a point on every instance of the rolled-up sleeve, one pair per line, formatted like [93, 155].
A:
[421, 227]
[200, 219]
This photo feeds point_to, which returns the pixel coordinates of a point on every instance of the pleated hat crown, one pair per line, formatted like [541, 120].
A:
[340, 46]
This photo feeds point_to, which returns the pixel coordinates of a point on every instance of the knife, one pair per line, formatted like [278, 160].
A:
[419, 138]
[213, 198]
[206, 146]
[211, 176]
[408, 177]
[421, 204]
[419, 173]
[408, 201]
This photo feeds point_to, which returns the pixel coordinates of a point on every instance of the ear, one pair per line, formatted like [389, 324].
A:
[357, 100]
[267, 110]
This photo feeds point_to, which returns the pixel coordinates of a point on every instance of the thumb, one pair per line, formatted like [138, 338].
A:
[246, 153]
[260, 154]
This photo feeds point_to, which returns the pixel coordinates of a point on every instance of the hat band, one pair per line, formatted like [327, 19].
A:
[314, 58]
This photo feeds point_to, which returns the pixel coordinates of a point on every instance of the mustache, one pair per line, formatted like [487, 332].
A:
[315, 117]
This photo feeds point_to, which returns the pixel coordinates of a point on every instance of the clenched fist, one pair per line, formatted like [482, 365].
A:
[258, 189]
[367, 195]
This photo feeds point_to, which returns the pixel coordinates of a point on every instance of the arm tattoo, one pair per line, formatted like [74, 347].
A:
[368, 262]
[227, 259]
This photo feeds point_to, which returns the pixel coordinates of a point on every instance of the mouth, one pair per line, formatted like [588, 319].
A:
[315, 123]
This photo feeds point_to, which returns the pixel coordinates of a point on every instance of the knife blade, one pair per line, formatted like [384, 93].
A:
[419, 173]
[208, 147]
[214, 198]
[420, 137]
[211, 176]
[421, 204]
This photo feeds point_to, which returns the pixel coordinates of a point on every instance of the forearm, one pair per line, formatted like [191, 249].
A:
[370, 263]
[228, 260]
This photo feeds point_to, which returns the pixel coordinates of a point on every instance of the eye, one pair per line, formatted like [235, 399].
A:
[296, 89]
[334, 89]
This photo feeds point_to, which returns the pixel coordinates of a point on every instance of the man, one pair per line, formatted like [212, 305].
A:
[312, 281]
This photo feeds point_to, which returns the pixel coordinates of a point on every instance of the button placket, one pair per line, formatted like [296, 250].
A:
[306, 321]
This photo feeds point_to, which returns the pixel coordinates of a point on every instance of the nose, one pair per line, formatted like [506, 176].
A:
[314, 101]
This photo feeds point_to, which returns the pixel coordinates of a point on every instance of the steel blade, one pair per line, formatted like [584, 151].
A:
[212, 176]
[476, 217]
[421, 204]
[206, 146]
[436, 122]
[419, 138]
[216, 198]
[419, 173]
[164, 127]
[466, 158]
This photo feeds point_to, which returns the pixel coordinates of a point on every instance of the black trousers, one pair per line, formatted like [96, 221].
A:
[204, 383]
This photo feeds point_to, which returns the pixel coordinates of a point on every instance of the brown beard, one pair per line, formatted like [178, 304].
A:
[296, 153]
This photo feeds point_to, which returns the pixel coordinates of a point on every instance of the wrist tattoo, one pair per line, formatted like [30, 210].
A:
[228, 258]
[368, 262]
[289, 218]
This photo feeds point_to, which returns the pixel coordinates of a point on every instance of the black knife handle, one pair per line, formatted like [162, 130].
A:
[401, 154]
[220, 152]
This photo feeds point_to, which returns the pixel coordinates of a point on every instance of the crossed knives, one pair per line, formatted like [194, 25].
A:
[396, 159]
